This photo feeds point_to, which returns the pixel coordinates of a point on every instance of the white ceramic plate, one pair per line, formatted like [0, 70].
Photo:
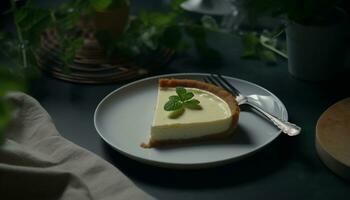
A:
[123, 119]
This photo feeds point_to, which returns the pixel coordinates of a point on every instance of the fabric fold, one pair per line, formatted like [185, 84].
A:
[37, 163]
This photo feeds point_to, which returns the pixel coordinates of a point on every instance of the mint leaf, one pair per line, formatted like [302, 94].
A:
[174, 98]
[193, 104]
[181, 92]
[193, 101]
[188, 96]
[172, 105]
[179, 102]
[177, 113]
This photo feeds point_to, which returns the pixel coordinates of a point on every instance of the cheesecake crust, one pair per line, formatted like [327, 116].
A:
[220, 92]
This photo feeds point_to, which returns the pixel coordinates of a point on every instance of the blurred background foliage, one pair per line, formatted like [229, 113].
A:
[9, 81]
[20, 39]
[144, 34]
[306, 12]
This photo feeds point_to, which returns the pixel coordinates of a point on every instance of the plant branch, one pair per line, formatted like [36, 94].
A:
[263, 42]
[20, 37]
[53, 15]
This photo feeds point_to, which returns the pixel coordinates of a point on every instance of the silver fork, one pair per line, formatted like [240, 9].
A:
[286, 127]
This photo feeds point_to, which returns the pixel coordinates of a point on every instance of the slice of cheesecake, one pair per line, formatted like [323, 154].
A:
[216, 119]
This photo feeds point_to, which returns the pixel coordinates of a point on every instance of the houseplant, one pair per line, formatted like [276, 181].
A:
[111, 15]
[146, 33]
[316, 34]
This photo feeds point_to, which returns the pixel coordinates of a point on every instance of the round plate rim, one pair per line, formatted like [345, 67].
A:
[185, 165]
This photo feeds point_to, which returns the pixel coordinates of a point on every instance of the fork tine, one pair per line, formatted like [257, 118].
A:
[217, 82]
[209, 80]
[232, 88]
[222, 84]
[213, 80]
[205, 79]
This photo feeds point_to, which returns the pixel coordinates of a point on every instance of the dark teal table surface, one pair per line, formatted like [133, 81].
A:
[288, 168]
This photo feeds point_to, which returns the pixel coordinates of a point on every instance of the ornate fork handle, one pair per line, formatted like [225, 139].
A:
[286, 127]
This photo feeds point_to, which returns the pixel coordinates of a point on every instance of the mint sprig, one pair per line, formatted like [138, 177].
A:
[183, 99]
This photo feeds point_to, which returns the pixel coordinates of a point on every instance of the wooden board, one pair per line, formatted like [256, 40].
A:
[333, 138]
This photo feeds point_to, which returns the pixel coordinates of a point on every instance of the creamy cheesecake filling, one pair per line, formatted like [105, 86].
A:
[214, 117]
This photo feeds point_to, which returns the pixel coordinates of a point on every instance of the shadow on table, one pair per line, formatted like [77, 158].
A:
[263, 163]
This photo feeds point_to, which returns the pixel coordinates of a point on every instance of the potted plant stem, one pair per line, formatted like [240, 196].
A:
[317, 31]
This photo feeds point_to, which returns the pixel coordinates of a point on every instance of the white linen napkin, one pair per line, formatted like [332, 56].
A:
[37, 163]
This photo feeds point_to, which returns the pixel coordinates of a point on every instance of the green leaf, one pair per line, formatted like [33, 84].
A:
[148, 38]
[187, 96]
[66, 53]
[5, 116]
[193, 104]
[181, 100]
[249, 53]
[101, 5]
[209, 23]
[20, 15]
[157, 19]
[174, 98]
[177, 113]
[251, 39]
[268, 56]
[261, 47]
[193, 101]
[30, 20]
[9, 81]
[172, 105]
[181, 92]
[176, 5]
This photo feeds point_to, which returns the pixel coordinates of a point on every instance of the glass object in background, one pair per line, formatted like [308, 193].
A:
[208, 7]
[232, 21]
[226, 9]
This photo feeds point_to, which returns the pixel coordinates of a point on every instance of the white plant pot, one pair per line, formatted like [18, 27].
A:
[316, 53]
